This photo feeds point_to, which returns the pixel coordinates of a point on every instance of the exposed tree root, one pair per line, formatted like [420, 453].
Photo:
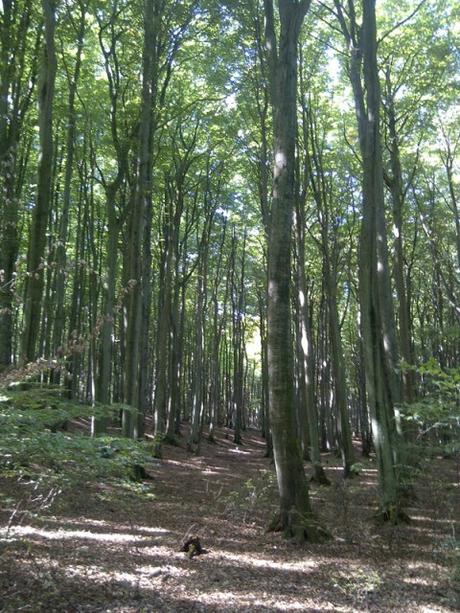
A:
[319, 476]
[299, 527]
[138, 473]
[192, 547]
[392, 515]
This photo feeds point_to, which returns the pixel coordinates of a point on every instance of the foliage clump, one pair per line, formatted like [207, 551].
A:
[37, 441]
[435, 414]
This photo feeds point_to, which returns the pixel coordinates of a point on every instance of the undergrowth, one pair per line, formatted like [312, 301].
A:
[37, 444]
[254, 493]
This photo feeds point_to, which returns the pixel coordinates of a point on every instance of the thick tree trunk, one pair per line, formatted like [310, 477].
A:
[379, 337]
[295, 517]
[134, 328]
[375, 289]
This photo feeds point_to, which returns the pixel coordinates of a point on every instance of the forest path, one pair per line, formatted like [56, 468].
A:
[109, 550]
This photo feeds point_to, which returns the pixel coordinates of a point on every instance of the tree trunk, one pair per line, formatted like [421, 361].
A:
[338, 370]
[397, 194]
[295, 517]
[307, 353]
[134, 304]
[61, 259]
[35, 267]
[375, 291]
[12, 110]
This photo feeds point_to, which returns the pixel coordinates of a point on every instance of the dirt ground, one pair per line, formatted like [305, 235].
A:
[98, 548]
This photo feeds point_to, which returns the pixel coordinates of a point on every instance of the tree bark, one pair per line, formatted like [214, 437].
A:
[398, 195]
[61, 258]
[295, 516]
[36, 251]
[134, 327]
[375, 291]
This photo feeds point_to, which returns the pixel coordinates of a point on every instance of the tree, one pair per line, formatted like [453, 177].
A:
[18, 80]
[36, 251]
[60, 252]
[379, 339]
[295, 516]
[142, 196]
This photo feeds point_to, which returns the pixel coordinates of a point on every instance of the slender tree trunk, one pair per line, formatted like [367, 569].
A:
[111, 261]
[397, 193]
[145, 367]
[338, 371]
[238, 353]
[162, 387]
[218, 326]
[12, 60]
[61, 258]
[365, 431]
[198, 353]
[175, 360]
[197, 396]
[36, 251]
[266, 430]
[163, 382]
[307, 353]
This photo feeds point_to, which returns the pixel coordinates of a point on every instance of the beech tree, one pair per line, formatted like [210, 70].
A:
[18, 76]
[218, 217]
[295, 516]
[36, 251]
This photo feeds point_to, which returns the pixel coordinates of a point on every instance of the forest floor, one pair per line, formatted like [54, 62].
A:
[97, 548]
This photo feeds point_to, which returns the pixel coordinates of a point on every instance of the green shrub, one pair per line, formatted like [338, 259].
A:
[435, 416]
[34, 441]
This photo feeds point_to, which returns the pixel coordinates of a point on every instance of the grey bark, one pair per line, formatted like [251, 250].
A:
[134, 329]
[37, 239]
[60, 254]
[307, 352]
[14, 28]
[379, 339]
[398, 193]
[295, 514]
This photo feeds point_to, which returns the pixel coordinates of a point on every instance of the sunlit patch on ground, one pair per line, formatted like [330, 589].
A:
[62, 534]
[239, 451]
[122, 553]
[269, 563]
